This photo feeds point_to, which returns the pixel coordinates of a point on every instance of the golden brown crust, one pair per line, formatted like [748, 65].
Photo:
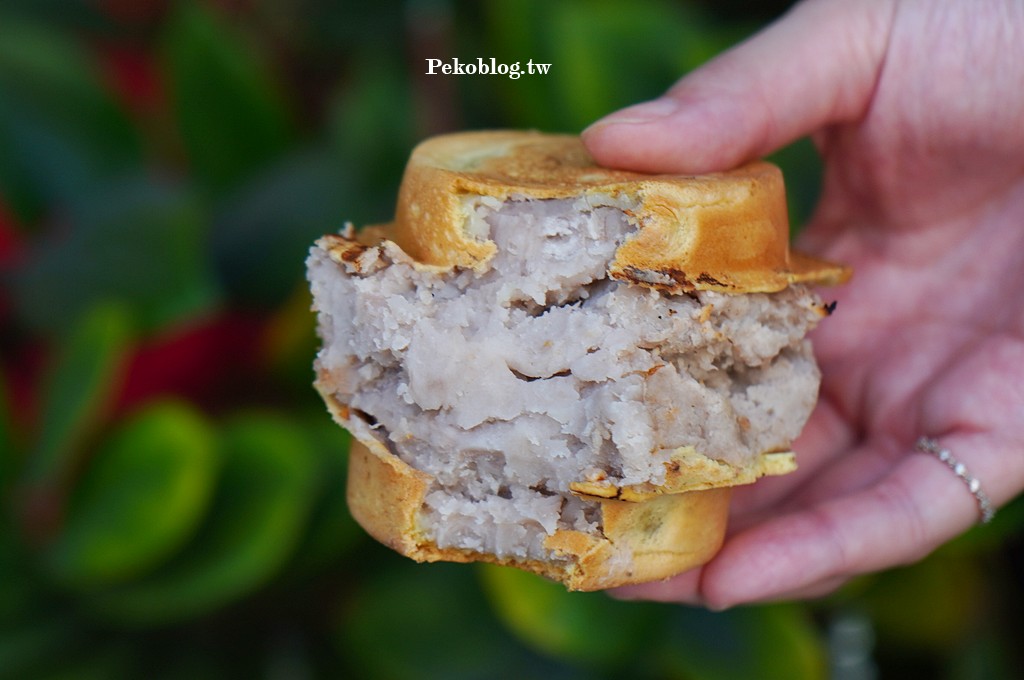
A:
[689, 470]
[724, 231]
[649, 533]
[641, 542]
[384, 495]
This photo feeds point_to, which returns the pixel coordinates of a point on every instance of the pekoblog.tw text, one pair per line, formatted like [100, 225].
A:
[485, 67]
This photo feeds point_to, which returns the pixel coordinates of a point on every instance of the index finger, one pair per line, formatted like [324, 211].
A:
[817, 65]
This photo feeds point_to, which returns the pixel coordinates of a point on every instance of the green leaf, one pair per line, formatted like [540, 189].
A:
[30, 646]
[72, 13]
[929, 606]
[801, 166]
[589, 79]
[21, 585]
[61, 131]
[141, 498]
[80, 384]
[258, 512]
[420, 622]
[86, 662]
[320, 31]
[516, 31]
[993, 655]
[764, 642]
[331, 530]
[373, 126]
[189, 662]
[584, 628]
[140, 243]
[230, 112]
[263, 232]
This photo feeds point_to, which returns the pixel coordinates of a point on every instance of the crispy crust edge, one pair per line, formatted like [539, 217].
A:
[727, 231]
[642, 541]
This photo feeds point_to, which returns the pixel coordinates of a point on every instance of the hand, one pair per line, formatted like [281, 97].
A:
[917, 108]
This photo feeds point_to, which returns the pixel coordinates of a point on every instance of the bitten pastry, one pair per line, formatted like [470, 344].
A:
[561, 367]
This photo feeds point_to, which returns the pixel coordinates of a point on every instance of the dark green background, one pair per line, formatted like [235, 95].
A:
[172, 488]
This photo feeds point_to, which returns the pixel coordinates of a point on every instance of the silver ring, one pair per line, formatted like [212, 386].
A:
[929, 445]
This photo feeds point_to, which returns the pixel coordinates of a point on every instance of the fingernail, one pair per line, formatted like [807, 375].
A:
[640, 113]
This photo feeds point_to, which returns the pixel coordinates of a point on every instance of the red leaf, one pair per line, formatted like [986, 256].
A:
[133, 76]
[206, 362]
[12, 243]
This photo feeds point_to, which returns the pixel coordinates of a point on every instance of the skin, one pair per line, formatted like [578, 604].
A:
[917, 108]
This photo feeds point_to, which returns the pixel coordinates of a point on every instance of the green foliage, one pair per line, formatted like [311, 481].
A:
[231, 116]
[378, 98]
[659, 40]
[433, 624]
[81, 382]
[141, 497]
[951, 583]
[610, 638]
[589, 629]
[29, 645]
[19, 586]
[263, 232]
[330, 531]
[777, 641]
[166, 165]
[139, 243]
[60, 130]
[663, 40]
[261, 502]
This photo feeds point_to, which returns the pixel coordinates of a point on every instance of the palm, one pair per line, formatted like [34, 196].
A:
[922, 336]
[924, 197]
[927, 338]
[926, 202]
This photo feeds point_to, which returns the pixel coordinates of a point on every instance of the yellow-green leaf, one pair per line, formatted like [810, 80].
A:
[260, 508]
[82, 379]
[140, 499]
[587, 628]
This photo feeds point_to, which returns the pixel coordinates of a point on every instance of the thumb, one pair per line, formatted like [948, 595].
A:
[816, 65]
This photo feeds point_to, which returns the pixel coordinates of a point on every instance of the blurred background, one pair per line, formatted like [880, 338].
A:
[172, 488]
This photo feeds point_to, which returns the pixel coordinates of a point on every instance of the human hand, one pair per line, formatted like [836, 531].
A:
[917, 108]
